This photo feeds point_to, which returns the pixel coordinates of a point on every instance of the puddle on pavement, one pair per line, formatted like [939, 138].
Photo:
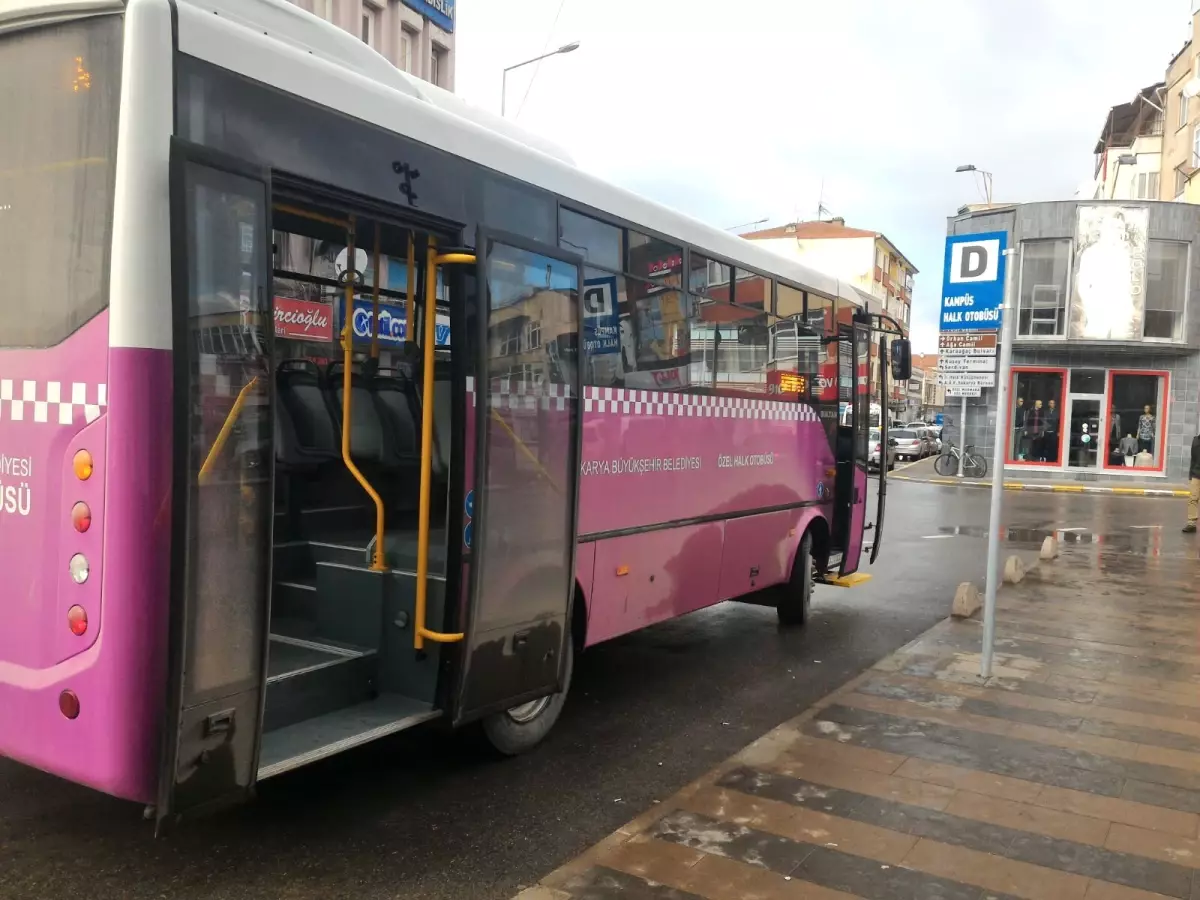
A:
[1138, 541]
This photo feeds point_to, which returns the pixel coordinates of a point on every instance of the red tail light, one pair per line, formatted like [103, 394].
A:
[77, 620]
[81, 517]
[68, 704]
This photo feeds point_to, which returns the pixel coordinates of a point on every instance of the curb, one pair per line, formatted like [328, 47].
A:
[1050, 488]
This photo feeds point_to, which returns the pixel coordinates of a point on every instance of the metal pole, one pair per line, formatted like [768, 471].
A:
[1007, 328]
[503, 92]
[962, 435]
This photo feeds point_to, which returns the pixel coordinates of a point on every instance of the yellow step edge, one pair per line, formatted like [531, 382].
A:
[846, 581]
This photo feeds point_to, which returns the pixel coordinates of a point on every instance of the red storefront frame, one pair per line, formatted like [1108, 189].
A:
[1010, 415]
[1160, 442]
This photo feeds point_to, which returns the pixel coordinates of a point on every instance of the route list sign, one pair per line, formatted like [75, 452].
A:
[967, 361]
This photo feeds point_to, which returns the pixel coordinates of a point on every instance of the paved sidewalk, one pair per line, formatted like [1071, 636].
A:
[1074, 774]
[924, 473]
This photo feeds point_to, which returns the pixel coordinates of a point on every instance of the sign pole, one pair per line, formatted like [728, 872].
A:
[962, 435]
[1007, 328]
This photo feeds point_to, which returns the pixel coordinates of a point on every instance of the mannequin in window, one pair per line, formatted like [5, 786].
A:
[1145, 431]
[1020, 447]
[1035, 426]
[1050, 441]
[1129, 449]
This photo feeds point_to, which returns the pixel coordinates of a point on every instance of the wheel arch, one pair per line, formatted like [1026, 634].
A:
[813, 522]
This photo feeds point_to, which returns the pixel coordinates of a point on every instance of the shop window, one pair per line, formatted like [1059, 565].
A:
[1035, 420]
[1045, 266]
[1166, 286]
[1135, 430]
[597, 242]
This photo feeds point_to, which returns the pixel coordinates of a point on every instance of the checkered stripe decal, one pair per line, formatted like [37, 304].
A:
[666, 403]
[51, 402]
[622, 401]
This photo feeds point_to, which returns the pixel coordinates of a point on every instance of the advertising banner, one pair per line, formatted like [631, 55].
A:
[303, 320]
[1108, 298]
[392, 330]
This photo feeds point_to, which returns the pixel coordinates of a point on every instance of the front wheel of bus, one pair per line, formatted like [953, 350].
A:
[523, 727]
[795, 595]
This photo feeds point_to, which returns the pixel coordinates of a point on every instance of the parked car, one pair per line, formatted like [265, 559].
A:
[909, 444]
[875, 450]
[933, 439]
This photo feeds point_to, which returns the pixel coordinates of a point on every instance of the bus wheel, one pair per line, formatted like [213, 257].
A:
[795, 596]
[523, 727]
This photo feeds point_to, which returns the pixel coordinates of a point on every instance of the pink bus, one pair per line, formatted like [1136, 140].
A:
[330, 406]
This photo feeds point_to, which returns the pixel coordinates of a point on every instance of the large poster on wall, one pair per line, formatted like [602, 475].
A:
[1109, 294]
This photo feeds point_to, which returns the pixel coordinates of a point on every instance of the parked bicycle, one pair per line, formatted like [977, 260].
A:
[974, 465]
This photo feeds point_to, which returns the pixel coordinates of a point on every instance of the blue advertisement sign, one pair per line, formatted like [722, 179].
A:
[439, 12]
[392, 328]
[601, 318]
[973, 282]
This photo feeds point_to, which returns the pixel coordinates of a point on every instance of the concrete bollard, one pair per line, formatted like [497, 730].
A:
[1014, 570]
[966, 601]
[1049, 548]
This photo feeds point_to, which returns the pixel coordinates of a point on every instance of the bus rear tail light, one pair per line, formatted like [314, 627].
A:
[68, 704]
[81, 517]
[79, 568]
[77, 620]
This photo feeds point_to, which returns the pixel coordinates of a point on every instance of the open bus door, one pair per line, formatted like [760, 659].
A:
[222, 481]
[854, 375]
[884, 415]
[520, 542]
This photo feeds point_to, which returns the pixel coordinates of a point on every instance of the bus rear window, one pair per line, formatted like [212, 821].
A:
[59, 92]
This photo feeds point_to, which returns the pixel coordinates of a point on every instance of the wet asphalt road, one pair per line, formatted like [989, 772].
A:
[424, 816]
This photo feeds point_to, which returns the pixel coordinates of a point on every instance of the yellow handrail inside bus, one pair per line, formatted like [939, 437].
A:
[315, 217]
[432, 261]
[410, 302]
[377, 564]
[226, 429]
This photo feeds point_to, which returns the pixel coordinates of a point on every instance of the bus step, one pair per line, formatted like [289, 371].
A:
[305, 742]
[309, 678]
[845, 581]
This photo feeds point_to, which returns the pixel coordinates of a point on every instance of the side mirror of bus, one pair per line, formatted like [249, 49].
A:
[901, 360]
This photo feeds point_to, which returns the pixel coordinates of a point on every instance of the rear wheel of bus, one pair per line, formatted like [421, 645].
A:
[523, 727]
[795, 595]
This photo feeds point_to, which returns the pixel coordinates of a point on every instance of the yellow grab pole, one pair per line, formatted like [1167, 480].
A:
[410, 302]
[377, 564]
[420, 632]
[375, 303]
[226, 430]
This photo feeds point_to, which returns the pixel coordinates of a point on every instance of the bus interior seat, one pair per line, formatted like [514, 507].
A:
[368, 441]
[309, 435]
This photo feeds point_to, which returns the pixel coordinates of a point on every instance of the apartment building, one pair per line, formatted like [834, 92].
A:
[865, 259]
[1129, 151]
[416, 36]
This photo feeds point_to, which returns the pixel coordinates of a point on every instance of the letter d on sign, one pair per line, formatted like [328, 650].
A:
[974, 261]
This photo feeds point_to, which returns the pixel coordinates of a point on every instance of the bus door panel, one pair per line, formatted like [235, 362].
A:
[528, 430]
[881, 497]
[852, 459]
[222, 489]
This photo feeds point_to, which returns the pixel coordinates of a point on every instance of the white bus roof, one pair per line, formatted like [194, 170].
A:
[277, 43]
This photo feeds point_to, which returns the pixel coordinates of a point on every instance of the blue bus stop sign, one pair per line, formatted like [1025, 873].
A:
[973, 282]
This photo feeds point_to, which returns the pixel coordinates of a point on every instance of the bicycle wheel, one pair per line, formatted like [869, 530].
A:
[975, 466]
[945, 464]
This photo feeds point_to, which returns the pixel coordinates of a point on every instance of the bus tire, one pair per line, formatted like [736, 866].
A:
[520, 729]
[795, 595]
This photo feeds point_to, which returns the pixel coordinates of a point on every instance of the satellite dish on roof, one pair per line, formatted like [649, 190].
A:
[360, 265]
[1191, 87]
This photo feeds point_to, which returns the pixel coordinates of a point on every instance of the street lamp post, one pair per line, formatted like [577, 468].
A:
[987, 180]
[565, 48]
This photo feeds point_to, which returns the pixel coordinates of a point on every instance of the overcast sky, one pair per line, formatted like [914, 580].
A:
[736, 111]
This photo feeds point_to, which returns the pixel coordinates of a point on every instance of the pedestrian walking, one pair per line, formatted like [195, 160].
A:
[1194, 496]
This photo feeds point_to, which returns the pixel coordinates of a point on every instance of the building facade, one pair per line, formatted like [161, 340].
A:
[1106, 358]
[865, 259]
[1129, 151]
[416, 36]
